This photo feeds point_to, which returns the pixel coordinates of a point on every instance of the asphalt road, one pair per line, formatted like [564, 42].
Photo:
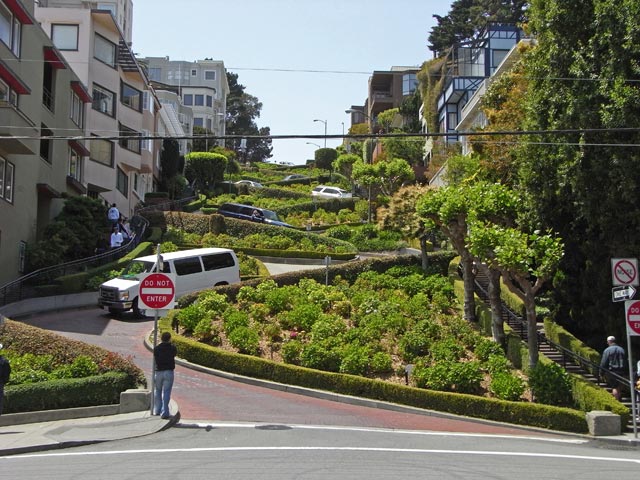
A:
[248, 451]
[205, 397]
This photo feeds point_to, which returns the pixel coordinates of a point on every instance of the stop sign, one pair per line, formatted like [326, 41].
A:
[157, 291]
[632, 308]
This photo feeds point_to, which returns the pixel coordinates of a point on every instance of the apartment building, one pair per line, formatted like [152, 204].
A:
[176, 118]
[40, 97]
[202, 86]
[386, 90]
[122, 166]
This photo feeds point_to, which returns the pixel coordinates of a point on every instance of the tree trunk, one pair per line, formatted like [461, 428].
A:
[423, 253]
[497, 324]
[469, 288]
[532, 327]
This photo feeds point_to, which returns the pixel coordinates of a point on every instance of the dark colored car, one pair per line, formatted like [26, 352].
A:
[254, 214]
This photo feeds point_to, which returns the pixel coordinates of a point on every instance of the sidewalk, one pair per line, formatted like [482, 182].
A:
[54, 434]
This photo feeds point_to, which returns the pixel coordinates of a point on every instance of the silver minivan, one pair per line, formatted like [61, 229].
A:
[194, 269]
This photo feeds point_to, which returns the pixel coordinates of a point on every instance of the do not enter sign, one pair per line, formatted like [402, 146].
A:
[632, 308]
[157, 291]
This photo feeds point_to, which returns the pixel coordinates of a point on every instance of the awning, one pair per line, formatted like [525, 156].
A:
[54, 57]
[97, 188]
[76, 185]
[13, 146]
[128, 168]
[79, 148]
[47, 190]
[81, 91]
[146, 168]
[12, 80]
[19, 11]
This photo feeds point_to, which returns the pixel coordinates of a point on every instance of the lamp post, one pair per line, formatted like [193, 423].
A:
[311, 143]
[361, 112]
[325, 130]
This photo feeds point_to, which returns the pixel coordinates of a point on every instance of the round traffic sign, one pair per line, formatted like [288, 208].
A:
[633, 317]
[625, 271]
[157, 291]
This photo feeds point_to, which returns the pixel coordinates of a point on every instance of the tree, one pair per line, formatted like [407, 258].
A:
[242, 110]
[203, 139]
[410, 149]
[203, 169]
[401, 215]
[467, 17]
[386, 118]
[526, 262]
[171, 167]
[584, 185]
[344, 164]
[324, 158]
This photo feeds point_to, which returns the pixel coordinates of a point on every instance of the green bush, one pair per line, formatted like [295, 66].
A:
[233, 319]
[447, 376]
[245, 340]
[381, 362]
[355, 360]
[321, 356]
[213, 302]
[292, 352]
[550, 384]
[301, 317]
[189, 317]
[507, 386]
[485, 348]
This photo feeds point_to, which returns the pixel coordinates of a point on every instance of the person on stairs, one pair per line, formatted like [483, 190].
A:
[613, 361]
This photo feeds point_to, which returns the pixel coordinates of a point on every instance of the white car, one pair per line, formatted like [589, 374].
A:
[332, 192]
[251, 183]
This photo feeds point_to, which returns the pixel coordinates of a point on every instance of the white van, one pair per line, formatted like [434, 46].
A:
[195, 269]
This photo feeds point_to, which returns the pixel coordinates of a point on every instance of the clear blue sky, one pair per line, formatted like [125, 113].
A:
[257, 38]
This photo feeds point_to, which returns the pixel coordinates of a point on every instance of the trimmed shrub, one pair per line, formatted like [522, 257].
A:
[507, 386]
[550, 384]
[245, 340]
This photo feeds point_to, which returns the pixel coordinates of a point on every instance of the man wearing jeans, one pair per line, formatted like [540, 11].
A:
[164, 355]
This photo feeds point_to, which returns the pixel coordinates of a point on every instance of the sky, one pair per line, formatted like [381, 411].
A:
[305, 60]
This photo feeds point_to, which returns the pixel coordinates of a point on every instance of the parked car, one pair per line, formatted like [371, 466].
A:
[254, 214]
[194, 269]
[250, 183]
[295, 176]
[328, 191]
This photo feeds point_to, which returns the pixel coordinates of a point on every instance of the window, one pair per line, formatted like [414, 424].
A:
[103, 100]
[130, 140]
[10, 30]
[22, 256]
[77, 110]
[75, 165]
[198, 122]
[187, 266]
[8, 181]
[48, 86]
[155, 73]
[65, 37]
[8, 95]
[214, 262]
[147, 143]
[131, 97]
[209, 101]
[188, 99]
[45, 143]
[122, 182]
[147, 101]
[409, 83]
[101, 151]
[194, 72]
[209, 74]
[199, 100]
[136, 182]
[105, 51]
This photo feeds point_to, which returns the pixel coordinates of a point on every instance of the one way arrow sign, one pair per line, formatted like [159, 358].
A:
[624, 292]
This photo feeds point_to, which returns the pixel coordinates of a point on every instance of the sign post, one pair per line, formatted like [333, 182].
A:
[157, 292]
[632, 317]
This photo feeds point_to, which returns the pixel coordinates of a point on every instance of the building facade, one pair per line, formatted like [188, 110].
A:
[123, 164]
[39, 99]
[202, 86]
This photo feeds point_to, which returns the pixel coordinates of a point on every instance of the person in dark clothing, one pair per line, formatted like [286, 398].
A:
[5, 374]
[613, 360]
[164, 354]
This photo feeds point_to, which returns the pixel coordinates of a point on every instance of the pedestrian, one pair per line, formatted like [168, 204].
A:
[113, 215]
[165, 357]
[122, 228]
[613, 361]
[116, 237]
[5, 374]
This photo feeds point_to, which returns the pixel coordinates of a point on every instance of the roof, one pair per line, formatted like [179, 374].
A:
[184, 254]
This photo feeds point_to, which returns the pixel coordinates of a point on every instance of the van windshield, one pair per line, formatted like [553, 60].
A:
[271, 215]
[136, 267]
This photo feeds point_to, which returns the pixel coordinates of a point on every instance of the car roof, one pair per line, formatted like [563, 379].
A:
[185, 254]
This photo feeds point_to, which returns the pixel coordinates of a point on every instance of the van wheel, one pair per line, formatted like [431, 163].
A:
[139, 313]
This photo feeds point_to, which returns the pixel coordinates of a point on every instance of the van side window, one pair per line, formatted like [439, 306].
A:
[187, 266]
[214, 262]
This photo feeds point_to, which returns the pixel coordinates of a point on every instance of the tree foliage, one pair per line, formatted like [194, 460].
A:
[584, 185]
[203, 169]
[242, 111]
[171, 167]
[324, 158]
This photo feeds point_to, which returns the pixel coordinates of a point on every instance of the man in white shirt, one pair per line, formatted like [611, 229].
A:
[113, 214]
[116, 237]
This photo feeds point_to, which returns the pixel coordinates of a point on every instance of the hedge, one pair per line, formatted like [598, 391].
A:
[67, 393]
[76, 282]
[544, 416]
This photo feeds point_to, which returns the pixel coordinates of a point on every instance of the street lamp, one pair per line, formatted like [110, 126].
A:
[325, 130]
[311, 143]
